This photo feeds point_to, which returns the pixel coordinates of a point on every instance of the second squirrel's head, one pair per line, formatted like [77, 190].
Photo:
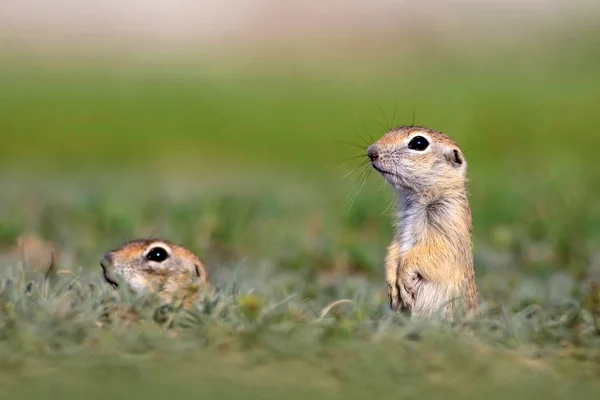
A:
[418, 159]
[149, 264]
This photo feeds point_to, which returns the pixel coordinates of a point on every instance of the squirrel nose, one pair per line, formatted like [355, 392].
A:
[373, 152]
[106, 260]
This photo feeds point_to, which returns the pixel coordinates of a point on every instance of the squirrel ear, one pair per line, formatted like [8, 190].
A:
[455, 157]
[201, 272]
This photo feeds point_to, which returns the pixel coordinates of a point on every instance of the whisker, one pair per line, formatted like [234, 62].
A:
[392, 203]
[361, 175]
[414, 113]
[394, 199]
[394, 153]
[355, 169]
[361, 137]
[360, 181]
[394, 114]
[353, 157]
[367, 130]
[353, 144]
[363, 178]
[385, 118]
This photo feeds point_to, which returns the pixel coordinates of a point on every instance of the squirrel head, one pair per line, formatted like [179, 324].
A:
[145, 264]
[419, 160]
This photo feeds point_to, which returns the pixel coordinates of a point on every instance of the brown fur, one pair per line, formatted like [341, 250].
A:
[181, 275]
[429, 264]
[36, 254]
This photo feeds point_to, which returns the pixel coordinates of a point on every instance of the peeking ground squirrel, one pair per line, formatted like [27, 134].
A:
[156, 265]
[429, 264]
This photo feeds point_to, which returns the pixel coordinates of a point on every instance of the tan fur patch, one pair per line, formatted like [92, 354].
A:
[180, 276]
[429, 264]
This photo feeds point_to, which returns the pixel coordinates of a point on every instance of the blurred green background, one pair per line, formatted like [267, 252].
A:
[244, 152]
[524, 111]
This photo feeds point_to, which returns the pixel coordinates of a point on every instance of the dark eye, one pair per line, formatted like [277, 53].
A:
[157, 254]
[418, 143]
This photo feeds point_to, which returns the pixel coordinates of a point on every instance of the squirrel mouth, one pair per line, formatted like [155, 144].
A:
[381, 171]
[107, 277]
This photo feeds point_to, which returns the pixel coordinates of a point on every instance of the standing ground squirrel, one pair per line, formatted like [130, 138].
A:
[429, 264]
[156, 265]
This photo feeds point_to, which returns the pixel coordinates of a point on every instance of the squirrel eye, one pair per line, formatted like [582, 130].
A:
[157, 254]
[418, 143]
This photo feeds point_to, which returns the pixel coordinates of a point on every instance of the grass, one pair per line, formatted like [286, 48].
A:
[245, 168]
[277, 328]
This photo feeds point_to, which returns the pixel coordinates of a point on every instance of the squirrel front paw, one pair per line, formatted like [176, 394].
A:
[407, 298]
[408, 284]
[394, 297]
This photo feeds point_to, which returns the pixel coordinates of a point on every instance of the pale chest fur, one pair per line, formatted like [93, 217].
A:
[434, 240]
[434, 258]
[410, 227]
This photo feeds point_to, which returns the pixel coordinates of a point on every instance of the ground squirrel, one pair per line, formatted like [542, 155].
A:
[429, 264]
[156, 265]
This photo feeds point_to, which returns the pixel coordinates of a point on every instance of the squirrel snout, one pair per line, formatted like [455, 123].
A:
[373, 152]
[106, 261]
